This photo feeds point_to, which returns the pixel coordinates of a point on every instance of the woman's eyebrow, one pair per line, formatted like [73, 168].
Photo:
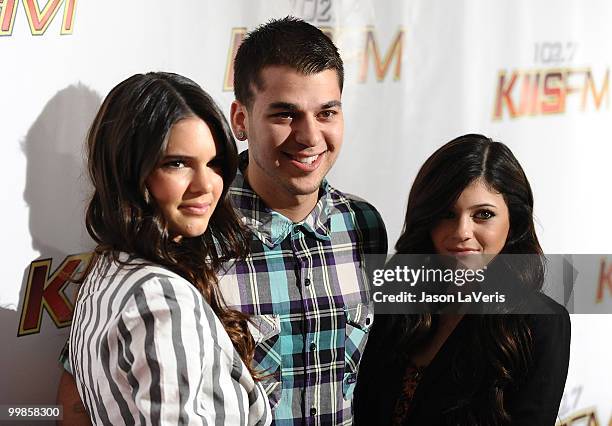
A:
[483, 205]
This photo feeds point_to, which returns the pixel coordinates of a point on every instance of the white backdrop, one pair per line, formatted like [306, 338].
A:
[534, 75]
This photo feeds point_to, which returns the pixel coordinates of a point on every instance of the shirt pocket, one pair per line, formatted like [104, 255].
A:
[359, 319]
[265, 330]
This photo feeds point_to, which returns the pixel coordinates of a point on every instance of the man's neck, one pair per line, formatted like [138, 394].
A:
[294, 207]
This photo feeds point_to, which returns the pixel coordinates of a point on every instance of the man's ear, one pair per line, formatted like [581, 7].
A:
[240, 122]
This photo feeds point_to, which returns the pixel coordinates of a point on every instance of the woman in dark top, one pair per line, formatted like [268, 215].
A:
[470, 197]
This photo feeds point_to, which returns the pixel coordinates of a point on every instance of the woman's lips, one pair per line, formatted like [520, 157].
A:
[463, 251]
[197, 209]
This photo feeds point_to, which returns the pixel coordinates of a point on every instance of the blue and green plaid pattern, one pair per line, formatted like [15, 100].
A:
[305, 286]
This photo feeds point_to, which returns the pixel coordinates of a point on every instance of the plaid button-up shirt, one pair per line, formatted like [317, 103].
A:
[305, 286]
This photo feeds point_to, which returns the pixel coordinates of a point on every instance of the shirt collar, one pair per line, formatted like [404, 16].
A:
[270, 226]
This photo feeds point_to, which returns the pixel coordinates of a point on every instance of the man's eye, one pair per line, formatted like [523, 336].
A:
[484, 214]
[285, 115]
[327, 113]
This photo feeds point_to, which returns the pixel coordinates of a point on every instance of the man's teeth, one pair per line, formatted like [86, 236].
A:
[307, 160]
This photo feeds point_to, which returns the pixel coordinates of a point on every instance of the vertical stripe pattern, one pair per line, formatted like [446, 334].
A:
[145, 348]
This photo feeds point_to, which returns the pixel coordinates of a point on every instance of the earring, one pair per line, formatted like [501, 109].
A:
[241, 135]
[147, 196]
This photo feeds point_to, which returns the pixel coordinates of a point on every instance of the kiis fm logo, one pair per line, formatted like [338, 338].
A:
[38, 19]
[45, 290]
[370, 54]
[551, 85]
[535, 92]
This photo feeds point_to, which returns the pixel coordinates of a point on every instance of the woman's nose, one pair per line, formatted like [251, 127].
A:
[463, 229]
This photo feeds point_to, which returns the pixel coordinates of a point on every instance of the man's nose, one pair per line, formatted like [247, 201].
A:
[307, 131]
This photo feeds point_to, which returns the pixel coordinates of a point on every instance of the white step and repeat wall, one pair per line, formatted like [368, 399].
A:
[535, 75]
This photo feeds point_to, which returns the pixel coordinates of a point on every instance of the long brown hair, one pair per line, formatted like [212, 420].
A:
[126, 141]
[500, 350]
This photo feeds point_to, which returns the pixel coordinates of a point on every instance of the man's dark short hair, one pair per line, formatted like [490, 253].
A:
[290, 42]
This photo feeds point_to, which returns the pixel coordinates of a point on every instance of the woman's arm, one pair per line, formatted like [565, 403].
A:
[536, 402]
[159, 362]
[161, 337]
[74, 413]
[162, 357]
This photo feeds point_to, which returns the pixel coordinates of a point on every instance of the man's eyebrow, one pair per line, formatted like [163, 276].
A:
[287, 106]
[283, 105]
[331, 104]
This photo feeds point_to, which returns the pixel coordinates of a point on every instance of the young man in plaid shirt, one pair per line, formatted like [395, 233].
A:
[304, 283]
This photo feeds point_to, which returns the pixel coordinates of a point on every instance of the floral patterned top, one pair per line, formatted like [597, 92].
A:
[412, 376]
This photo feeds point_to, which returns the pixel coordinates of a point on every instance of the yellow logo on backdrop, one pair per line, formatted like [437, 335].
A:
[45, 291]
[38, 19]
[381, 65]
[548, 91]
[586, 417]
[574, 412]
[605, 281]
[371, 53]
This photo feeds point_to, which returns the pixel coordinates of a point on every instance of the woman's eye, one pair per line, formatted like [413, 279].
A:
[484, 214]
[174, 164]
[215, 163]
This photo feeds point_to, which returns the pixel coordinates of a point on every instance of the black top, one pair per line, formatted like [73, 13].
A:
[439, 394]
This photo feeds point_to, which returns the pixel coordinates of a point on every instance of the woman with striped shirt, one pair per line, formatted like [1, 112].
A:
[151, 341]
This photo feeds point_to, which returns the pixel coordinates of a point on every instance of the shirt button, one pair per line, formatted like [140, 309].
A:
[307, 282]
[313, 346]
[313, 411]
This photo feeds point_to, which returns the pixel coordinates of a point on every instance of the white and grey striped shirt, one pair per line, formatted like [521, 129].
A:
[146, 348]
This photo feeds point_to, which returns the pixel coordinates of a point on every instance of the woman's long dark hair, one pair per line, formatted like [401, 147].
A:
[500, 349]
[127, 140]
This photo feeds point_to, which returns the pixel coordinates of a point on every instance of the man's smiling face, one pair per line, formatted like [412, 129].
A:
[295, 128]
